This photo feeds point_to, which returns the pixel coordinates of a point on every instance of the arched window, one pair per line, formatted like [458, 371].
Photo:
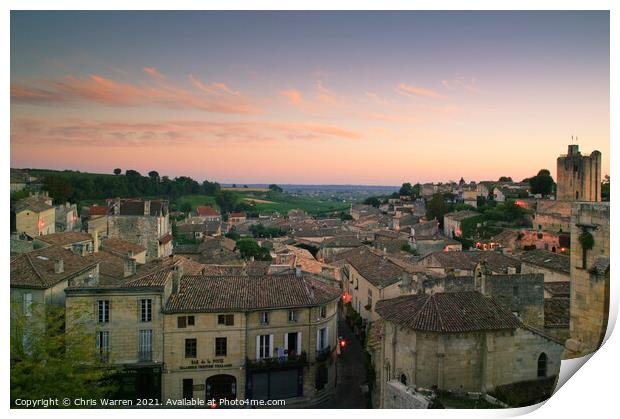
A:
[403, 379]
[542, 365]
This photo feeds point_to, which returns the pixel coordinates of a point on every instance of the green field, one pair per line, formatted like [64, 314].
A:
[281, 203]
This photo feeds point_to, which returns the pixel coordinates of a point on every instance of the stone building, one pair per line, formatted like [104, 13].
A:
[34, 216]
[589, 288]
[124, 312]
[67, 217]
[461, 342]
[79, 243]
[555, 267]
[250, 337]
[145, 223]
[41, 276]
[464, 263]
[452, 222]
[205, 213]
[579, 176]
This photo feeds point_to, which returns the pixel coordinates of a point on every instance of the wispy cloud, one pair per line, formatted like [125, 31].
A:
[418, 91]
[158, 91]
[461, 82]
[172, 132]
[293, 96]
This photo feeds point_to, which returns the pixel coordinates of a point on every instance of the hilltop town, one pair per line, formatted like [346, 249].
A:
[459, 294]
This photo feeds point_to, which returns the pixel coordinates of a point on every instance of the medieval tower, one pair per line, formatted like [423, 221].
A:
[579, 176]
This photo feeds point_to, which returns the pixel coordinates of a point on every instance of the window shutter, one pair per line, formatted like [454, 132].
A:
[257, 346]
[299, 350]
[270, 346]
[286, 341]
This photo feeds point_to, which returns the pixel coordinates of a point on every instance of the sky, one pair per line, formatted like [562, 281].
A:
[375, 98]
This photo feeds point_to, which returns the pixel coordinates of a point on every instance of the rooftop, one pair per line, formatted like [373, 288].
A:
[548, 260]
[248, 293]
[66, 237]
[451, 312]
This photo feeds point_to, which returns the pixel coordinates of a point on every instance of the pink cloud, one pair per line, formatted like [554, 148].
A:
[418, 91]
[324, 95]
[168, 133]
[460, 82]
[293, 95]
[156, 92]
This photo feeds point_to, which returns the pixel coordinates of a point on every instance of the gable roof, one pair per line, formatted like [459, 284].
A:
[32, 203]
[378, 269]
[496, 261]
[206, 210]
[450, 312]
[248, 293]
[36, 269]
[548, 260]
[121, 246]
[66, 237]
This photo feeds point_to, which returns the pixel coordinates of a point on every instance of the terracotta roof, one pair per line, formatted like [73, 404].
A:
[496, 261]
[32, 203]
[166, 238]
[66, 237]
[379, 270]
[121, 246]
[548, 260]
[236, 214]
[36, 269]
[136, 207]
[206, 210]
[248, 293]
[451, 312]
[342, 241]
[223, 270]
[99, 210]
[557, 312]
[461, 215]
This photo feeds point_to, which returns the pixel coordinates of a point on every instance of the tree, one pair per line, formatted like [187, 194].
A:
[605, 191]
[117, 171]
[249, 248]
[406, 189]
[59, 188]
[505, 179]
[275, 188]
[186, 207]
[51, 360]
[210, 188]
[154, 175]
[436, 208]
[227, 200]
[542, 183]
[372, 200]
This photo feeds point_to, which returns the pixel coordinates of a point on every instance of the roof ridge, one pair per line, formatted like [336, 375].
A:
[428, 297]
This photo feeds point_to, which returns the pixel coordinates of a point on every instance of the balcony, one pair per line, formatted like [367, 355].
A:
[323, 354]
[145, 356]
[275, 363]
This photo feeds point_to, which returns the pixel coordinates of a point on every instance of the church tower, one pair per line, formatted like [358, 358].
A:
[579, 176]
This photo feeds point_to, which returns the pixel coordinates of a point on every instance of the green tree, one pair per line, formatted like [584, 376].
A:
[275, 188]
[52, 360]
[372, 200]
[436, 208]
[406, 189]
[505, 179]
[117, 171]
[59, 188]
[227, 200]
[605, 191]
[249, 248]
[186, 207]
[542, 183]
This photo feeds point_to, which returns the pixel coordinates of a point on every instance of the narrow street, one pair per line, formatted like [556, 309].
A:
[351, 374]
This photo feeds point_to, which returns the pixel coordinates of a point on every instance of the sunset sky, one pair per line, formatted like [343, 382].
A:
[375, 98]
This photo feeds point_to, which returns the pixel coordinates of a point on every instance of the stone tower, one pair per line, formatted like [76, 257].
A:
[579, 176]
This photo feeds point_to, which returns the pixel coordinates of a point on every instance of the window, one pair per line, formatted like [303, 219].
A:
[369, 300]
[103, 311]
[28, 304]
[188, 388]
[263, 346]
[292, 316]
[220, 346]
[226, 319]
[184, 321]
[322, 339]
[264, 317]
[322, 312]
[190, 348]
[146, 310]
[103, 344]
[403, 379]
[145, 345]
[542, 365]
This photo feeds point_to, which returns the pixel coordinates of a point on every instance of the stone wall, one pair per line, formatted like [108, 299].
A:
[143, 230]
[399, 396]
[579, 176]
[589, 290]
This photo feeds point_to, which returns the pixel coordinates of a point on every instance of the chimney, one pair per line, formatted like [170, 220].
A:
[95, 235]
[177, 274]
[147, 207]
[59, 266]
[298, 271]
[129, 266]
